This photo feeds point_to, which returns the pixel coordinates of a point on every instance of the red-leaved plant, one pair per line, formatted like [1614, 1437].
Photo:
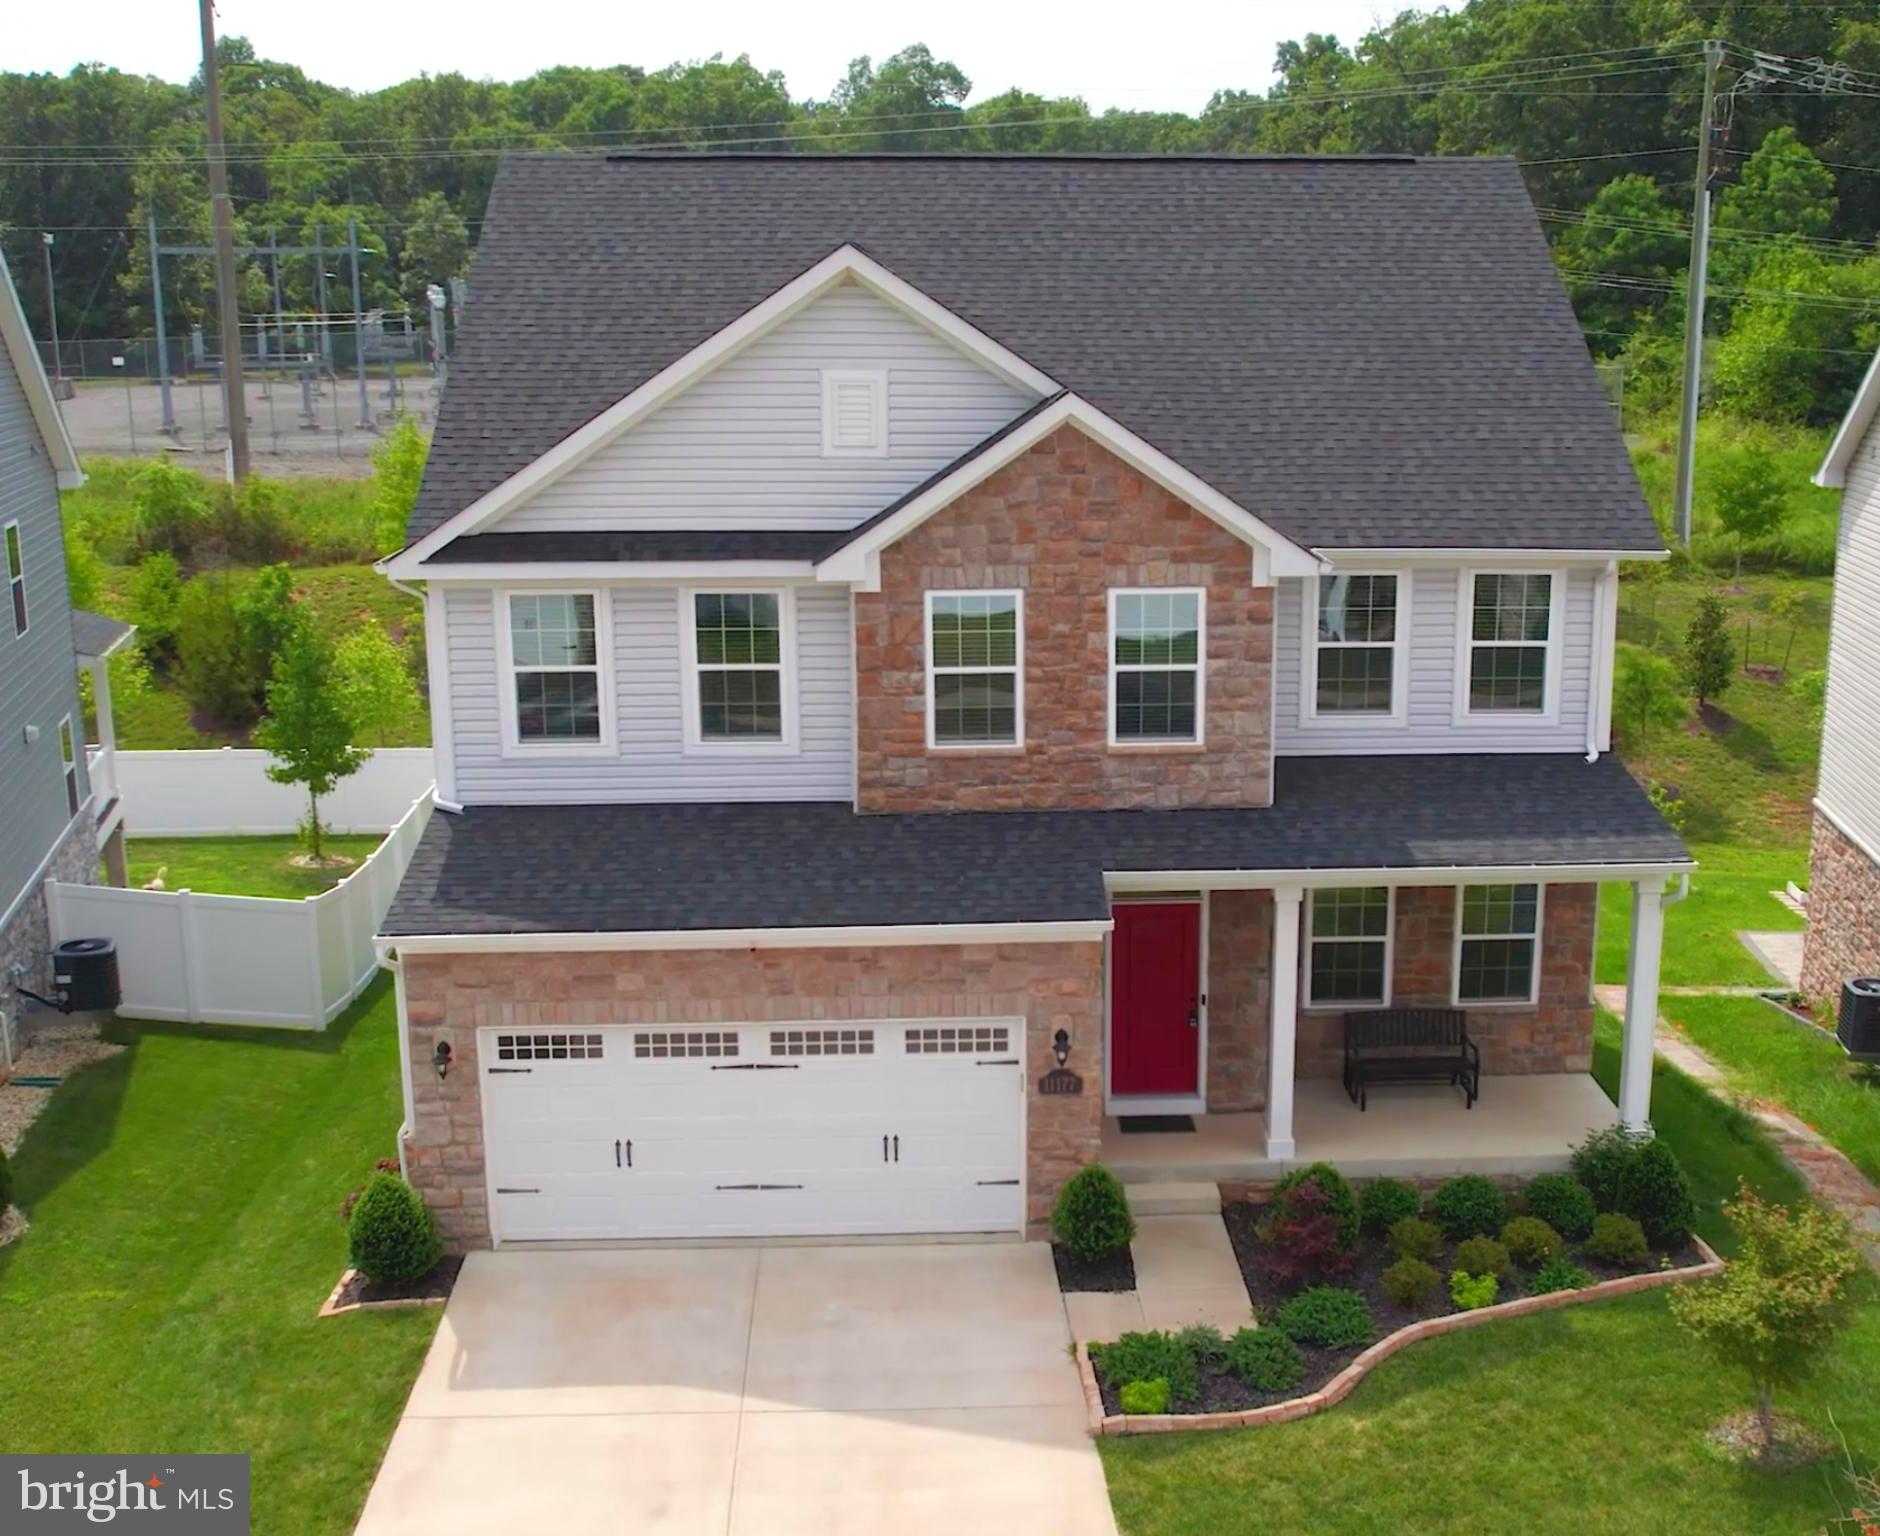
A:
[1301, 1239]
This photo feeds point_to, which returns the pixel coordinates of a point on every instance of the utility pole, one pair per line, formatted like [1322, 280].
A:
[59, 390]
[228, 304]
[1694, 298]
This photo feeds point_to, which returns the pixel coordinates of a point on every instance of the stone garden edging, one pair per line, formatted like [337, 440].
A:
[1340, 1386]
[334, 1307]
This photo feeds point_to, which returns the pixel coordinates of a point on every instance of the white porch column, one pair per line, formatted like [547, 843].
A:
[1283, 990]
[1641, 1003]
[105, 784]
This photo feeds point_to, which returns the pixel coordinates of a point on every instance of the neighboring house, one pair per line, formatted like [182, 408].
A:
[57, 804]
[1844, 869]
[901, 624]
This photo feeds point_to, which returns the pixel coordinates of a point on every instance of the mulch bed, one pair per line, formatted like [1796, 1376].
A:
[1113, 1272]
[355, 1291]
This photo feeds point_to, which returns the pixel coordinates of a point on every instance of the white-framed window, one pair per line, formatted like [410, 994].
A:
[68, 757]
[557, 674]
[975, 669]
[16, 575]
[739, 648]
[1158, 639]
[1498, 943]
[1509, 645]
[855, 413]
[1357, 631]
[1349, 945]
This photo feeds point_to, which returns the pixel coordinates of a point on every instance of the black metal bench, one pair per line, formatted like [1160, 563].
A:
[1411, 1045]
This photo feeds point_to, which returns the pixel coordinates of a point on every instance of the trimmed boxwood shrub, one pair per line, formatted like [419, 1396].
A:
[1559, 1275]
[1326, 1315]
[1653, 1189]
[1470, 1292]
[1148, 1357]
[1414, 1238]
[1382, 1203]
[1564, 1203]
[1091, 1217]
[1482, 1256]
[1600, 1162]
[392, 1238]
[1530, 1241]
[1410, 1282]
[1144, 1396]
[1469, 1206]
[1617, 1239]
[1266, 1359]
[1339, 1199]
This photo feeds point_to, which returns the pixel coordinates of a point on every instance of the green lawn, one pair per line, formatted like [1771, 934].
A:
[184, 1199]
[240, 866]
[1730, 891]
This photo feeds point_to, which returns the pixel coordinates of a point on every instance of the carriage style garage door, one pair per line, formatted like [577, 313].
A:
[755, 1130]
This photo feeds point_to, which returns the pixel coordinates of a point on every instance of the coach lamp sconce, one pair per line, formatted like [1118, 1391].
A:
[1061, 1046]
[440, 1058]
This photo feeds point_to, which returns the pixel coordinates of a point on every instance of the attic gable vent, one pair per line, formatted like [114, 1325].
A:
[855, 413]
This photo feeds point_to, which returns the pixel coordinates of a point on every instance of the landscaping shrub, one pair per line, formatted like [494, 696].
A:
[1482, 1256]
[1470, 1292]
[1383, 1203]
[6, 1182]
[172, 507]
[393, 1238]
[1411, 1282]
[1617, 1239]
[1530, 1241]
[1600, 1162]
[1469, 1206]
[212, 661]
[1144, 1396]
[1204, 1342]
[1339, 1199]
[1266, 1359]
[1563, 1203]
[1148, 1357]
[1328, 1316]
[1414, 1238]
[155, 601]
[254, 523]
[1091, 1217]
[1653, 1188]
[1300, 1239]
[1559, 1275]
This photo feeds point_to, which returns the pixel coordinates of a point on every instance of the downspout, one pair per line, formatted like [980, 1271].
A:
[422, 595]
[1667, 900]
[388, 959]
[1604, 641]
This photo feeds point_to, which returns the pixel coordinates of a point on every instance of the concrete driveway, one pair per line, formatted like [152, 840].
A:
[756, 1392]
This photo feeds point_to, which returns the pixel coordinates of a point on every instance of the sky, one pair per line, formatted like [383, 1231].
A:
[1171, 56]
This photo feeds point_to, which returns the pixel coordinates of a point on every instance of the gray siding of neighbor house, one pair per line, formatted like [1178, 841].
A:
[38, 676]
[1432, 661]
[1849, 788]
[742, 448]
[651, 762]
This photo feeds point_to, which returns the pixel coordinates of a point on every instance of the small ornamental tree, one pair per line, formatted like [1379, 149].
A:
[1709, 660]
[268, 616]
[308, 731]
[1749, 496]
[1303, 1239]
[1780, 1302]
[1646, 697]
[156, 595]
[376, 682]
[1791, 607]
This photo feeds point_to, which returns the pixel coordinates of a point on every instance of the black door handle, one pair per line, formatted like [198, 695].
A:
[629, 1153]
[616, 1154]
[884, 1149]
[897, 1149]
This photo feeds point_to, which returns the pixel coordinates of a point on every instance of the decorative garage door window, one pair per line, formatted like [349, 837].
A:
[822, 1042]
[958, 1039]
[663, 1043]
[548, 1047]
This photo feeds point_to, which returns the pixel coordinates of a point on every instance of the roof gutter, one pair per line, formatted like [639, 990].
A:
[1087, 931]
[1447, 874]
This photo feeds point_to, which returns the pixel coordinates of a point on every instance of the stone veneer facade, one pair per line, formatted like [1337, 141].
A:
[1843, 914]
[450, 997]
[1065, 522]
[27, 938]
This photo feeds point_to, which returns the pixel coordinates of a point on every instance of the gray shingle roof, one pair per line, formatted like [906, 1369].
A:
[95, 635]
[625, 868]
[1367, 351]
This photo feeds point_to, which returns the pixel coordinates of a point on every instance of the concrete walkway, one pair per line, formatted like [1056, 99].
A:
[1186, 1273]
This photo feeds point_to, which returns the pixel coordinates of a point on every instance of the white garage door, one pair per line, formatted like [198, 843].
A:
[753, 1130]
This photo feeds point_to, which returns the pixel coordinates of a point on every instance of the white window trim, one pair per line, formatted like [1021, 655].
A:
[1549, 714]
[25, 607]
[1306, 941]
[877, 380]
[1017, 744]
[1539, 934]
[513, 744]
[696, 742]
[1199, 739]
[1310, 645]
[68, 740]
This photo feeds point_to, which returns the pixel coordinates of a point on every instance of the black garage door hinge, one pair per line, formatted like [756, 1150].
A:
[502, 1191]
[757, 1186]
[983, 1183]
[494, 1070]
[758, 1066]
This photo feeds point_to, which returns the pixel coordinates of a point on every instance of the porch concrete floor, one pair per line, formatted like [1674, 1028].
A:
[1523, 1124]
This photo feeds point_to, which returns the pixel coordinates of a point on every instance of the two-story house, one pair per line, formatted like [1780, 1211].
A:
[58, 805]
[936, 661]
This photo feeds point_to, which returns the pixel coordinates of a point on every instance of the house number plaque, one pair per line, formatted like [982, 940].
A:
[1060, 1082]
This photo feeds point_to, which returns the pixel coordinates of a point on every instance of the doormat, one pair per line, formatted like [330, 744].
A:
[1149, 1125]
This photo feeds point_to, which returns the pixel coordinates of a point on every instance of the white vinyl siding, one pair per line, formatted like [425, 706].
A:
[651, 761]
[1849, 787]
[743, 447]
[1431, 663]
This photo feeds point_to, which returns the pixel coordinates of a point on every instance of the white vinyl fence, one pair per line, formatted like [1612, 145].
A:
[244, 959]
[228, 792]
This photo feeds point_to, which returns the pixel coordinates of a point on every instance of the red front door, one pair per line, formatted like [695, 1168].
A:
[1155, 998]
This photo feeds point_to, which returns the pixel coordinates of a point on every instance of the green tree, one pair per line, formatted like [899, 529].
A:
[1708, 662]
[1783, 189]
[398, 468]
[267, 617]
[1792, 607]
[308, 731]
[437, 246]
[374, 677]
[156, 597]
[84, 571]
[1749, 498]
[1645, 695]
[172, 507]
[1628, 231]
[899, 104]
[211, 659]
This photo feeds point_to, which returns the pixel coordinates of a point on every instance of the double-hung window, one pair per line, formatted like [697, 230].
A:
[1510, 631]
[16, 577]
[555, 653]
[737, 643]
[68, 754]
[975, 669]
[1498, 931]
[1348, 958]
[1357, 630]
[1157, 641]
